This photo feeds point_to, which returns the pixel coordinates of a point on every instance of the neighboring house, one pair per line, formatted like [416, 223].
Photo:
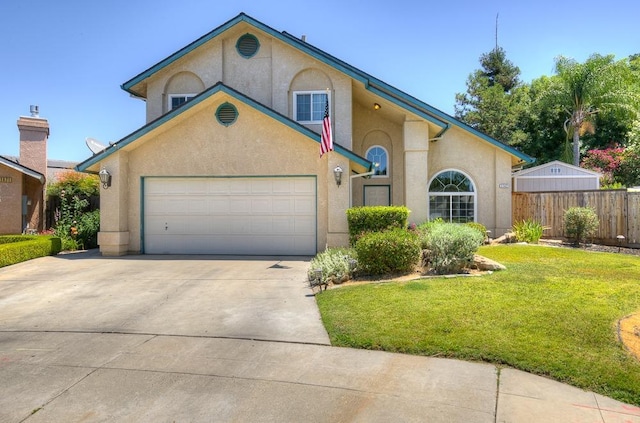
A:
[555, 176]
[228, 161]
[23, 179]
[55, 168]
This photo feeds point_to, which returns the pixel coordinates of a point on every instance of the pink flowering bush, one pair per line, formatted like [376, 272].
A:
[619, 165]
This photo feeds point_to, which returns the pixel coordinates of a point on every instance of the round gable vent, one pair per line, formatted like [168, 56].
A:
[227, 114]
[247, 45]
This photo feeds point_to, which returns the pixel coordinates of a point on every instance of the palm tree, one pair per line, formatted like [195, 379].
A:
[600, 84]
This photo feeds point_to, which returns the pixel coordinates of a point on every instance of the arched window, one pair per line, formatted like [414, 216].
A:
[379, 156]
[452, 197]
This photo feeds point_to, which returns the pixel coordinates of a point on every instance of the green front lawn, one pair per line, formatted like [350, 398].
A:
[552, 312]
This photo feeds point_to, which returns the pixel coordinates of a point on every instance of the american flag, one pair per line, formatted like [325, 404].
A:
[326, 141]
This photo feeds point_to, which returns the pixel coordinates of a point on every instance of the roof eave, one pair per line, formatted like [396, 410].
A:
[219, 87]
[23, 169]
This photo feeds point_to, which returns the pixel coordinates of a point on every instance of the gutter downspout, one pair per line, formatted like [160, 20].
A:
[441, 133]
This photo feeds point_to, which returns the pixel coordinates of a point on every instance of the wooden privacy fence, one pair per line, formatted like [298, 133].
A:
[617, 210]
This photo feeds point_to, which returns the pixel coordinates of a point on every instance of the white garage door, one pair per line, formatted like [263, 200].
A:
[255, 216]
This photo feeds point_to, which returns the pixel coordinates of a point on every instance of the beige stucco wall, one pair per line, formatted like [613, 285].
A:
[486, 165]
[269, 77]
[371, 128]
[204, 62]
[195, 144]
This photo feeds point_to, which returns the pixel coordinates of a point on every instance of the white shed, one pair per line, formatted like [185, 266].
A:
[555, 176]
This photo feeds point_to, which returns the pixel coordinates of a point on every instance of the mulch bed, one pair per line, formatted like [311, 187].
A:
[591, 247]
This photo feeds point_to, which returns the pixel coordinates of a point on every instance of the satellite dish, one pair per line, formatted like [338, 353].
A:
[94, 145]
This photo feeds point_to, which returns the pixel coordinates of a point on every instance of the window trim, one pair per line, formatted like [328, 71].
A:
[170, 98]
[473, 193]
[386, 152]
[295, 106]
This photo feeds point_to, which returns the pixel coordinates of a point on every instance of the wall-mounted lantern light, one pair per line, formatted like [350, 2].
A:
[105, 178]
[337, 174]
[376, 106]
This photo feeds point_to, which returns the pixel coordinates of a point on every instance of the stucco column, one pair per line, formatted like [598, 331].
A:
[338, 202]
[503, 214]
[113, 237]
[416, 159]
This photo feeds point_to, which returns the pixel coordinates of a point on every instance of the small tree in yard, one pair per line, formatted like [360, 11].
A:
[74, 224]
[580, 223]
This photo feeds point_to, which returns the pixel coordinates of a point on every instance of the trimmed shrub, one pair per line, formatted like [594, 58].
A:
[395, 250]
[426, 227]
[580, 223]
[334, 263]
[449, 247]
[478, 227]
[528, 231]
[363, 220]
[23, 248]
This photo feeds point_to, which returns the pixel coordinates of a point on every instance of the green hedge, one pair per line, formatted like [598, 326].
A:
[18, 248]
[395, 250]
[363, 220]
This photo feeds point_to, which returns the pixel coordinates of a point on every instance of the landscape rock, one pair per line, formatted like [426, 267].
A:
[483, 263]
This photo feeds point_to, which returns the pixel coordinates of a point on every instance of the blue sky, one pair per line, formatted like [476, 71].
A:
[70, 57]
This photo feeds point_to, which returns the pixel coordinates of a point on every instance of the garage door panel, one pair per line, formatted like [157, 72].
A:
[261, 206]
[304, 186]
[264, 216]
[262, 186]
[240, 206]
[304, 205]
[304, 225]
[197, 206]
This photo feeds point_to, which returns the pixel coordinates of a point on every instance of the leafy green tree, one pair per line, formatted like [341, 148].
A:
[495, 100]
[74, 223]
[542, 122]
[547, 116]
[599, 85]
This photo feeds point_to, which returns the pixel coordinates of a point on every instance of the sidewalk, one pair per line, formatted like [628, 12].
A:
[71, 377]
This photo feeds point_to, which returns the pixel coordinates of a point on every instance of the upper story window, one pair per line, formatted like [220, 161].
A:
[177, 100]
[309, 106]
[380, 157]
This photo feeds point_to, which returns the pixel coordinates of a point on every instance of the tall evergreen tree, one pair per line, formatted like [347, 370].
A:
[495, 99]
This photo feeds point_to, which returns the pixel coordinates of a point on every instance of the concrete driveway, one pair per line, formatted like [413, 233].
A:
[205, 339]
[262, 298]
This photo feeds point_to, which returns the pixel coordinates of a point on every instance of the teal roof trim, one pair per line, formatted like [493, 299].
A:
[371, 83]
[219, 87]
[379, 86]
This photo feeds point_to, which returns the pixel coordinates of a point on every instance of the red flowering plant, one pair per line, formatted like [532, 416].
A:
[609, 162]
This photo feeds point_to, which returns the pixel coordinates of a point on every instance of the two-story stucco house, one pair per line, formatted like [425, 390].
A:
[228, 161]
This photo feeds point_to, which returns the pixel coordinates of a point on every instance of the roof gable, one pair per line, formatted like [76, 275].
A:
[545, 170]
[219, 87]
[22, 169]
[376, 86]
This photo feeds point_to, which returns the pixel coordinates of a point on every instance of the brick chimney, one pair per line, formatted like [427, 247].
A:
[34, 132]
